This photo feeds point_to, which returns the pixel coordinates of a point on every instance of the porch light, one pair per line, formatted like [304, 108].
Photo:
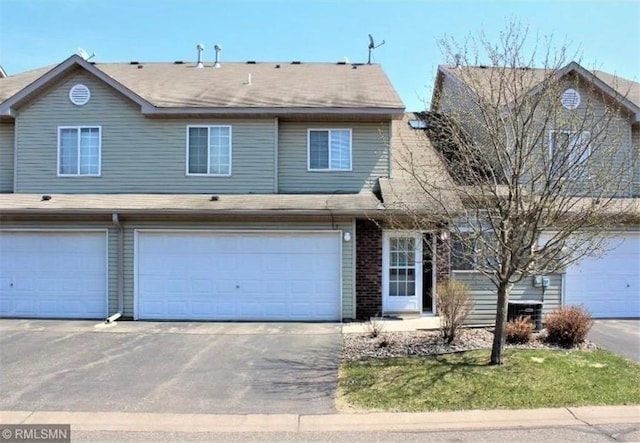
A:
[444, 235]
[347, 236]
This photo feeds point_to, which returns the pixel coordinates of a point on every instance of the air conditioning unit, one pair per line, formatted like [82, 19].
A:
[526, 308]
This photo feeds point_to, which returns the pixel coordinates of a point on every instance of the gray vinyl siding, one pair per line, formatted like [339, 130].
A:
[7, 146]
[369, 158]
[112, 245]
[347, 251]
[635, 146]
[485, 295]
[139, 154]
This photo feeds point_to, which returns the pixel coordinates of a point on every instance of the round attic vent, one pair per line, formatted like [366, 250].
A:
[570, 99]
[79, 95]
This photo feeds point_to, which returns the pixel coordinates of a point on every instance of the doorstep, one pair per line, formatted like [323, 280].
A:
[400, 323]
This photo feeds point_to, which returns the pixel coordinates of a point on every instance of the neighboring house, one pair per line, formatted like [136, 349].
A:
[167, 191]
[608, 286]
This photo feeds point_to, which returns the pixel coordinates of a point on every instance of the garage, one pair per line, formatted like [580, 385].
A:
[608, 286]
[46, 274]
[199, 275]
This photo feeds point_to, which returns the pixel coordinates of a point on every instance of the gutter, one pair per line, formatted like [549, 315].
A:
[115, 219]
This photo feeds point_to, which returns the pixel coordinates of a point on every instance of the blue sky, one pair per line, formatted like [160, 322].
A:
[35, 33]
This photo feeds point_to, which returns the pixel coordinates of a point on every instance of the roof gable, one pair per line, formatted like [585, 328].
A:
[622, 90]
[59, 71]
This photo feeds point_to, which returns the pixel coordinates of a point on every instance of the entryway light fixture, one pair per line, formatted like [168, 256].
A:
[444, 235]
[347, 236]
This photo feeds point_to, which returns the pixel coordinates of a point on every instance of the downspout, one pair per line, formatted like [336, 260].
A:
[120, 269]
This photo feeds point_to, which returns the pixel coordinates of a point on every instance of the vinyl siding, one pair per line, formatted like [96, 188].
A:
[347, 251]
[139, 154]
[615, 153]
[485, 295]
[7, 146]
[112, 239]
[369, 152]
[635, 146]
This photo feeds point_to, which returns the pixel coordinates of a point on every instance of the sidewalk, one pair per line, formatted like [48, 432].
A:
[424, 421]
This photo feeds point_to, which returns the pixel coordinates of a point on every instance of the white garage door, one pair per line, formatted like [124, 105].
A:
[238, 276]
[53, 274]
[609, 286]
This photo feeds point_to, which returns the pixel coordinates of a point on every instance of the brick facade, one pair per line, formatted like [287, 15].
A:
[443, 258]
[368, 269]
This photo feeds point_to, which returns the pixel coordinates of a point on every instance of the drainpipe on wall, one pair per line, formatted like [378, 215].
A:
[120, 269]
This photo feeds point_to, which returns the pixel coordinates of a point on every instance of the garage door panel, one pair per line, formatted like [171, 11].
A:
[608, 286]
[53, 274]
[240, 276]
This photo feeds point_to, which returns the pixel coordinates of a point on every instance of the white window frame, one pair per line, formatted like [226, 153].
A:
[209, 174]
[329, 169]
[580, 136]
[78, 128]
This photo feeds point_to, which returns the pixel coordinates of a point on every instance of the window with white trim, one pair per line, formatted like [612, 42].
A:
[79, 150]
[569, 150]
[329, 150]
[209, 150]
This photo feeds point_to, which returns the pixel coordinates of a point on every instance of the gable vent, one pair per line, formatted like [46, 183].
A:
[570, 99]
[79, 95]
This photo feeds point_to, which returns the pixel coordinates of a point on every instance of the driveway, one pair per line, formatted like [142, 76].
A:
[216, 368]
[619, 336]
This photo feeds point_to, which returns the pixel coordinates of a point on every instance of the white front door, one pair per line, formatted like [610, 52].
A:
[402, 271]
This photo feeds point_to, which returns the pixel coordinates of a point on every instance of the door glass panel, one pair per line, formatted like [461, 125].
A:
[402, 274]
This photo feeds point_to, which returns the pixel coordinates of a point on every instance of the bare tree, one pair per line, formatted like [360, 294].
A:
[528, 164]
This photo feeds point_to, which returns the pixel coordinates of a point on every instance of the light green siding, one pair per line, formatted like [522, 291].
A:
[139, 154]
[347, 251]
[485, 295]
[369, 151]
[635, 144]
[6, 156]
[112, 238]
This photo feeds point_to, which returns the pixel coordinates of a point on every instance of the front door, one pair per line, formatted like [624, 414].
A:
[402, 272]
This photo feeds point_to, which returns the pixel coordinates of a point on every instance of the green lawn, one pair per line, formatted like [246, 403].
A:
[527, 379]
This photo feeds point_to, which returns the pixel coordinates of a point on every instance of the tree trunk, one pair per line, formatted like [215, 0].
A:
[501, 323]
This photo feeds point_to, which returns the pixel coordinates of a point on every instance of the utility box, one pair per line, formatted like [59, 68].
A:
[526, 308]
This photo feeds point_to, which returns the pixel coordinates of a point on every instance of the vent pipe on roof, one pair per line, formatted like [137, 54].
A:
[218, 49]
[458, 59]
[200, 48]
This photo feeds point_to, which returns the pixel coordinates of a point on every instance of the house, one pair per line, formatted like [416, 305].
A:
[241, 191]
[608, 286]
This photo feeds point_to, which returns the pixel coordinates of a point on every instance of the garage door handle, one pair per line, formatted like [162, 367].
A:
[237, 286]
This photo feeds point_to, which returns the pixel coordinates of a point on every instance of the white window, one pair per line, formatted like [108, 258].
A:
[329, 150]
[79, 150]
[569, 152]
[209, 150]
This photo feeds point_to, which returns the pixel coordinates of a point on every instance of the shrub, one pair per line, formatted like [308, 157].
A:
[374, 327]
[519, 330]
[454, 306]
[567, 326]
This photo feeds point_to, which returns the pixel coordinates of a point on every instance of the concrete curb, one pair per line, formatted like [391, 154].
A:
[382, 421]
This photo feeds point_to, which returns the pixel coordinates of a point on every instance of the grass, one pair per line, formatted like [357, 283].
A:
[527, 379]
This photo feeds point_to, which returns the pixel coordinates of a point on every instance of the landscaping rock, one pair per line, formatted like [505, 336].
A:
[423, 343]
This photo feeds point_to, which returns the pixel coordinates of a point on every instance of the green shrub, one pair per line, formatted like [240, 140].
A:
[454, 304]
[567, 326]
[519, 331]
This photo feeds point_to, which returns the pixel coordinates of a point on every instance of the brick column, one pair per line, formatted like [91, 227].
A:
[368, 269]
[443, 257]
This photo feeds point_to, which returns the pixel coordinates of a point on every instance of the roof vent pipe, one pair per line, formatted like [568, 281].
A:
[200, 48]
[218, 49]
[457, 58]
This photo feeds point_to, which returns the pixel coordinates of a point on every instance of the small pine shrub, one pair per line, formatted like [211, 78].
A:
[519, 331]
[568, 326]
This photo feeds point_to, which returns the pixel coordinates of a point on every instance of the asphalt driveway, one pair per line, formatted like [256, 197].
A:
[216, 368]
[619, 336]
